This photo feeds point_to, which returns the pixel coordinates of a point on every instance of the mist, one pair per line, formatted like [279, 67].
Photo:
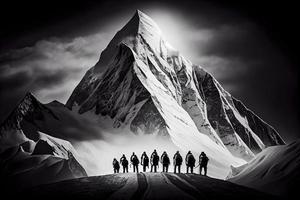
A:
[96, 155]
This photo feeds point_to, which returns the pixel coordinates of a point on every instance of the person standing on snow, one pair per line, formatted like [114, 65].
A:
[144, 161]
[177, 161]
[116, 165]
[124, 163]
[203, 161]
[135, 162]
[165, 161]
[190, 162]
[154, 160]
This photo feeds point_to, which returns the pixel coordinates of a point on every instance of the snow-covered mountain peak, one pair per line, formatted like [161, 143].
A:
[140, 30]
[142, 84]
[140, 23]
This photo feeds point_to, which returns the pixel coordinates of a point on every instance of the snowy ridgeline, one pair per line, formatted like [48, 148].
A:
[143, 94]
[275, 170]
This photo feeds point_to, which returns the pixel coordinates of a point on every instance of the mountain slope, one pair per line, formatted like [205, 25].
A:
[143, 85]
[275, 170]
[27, 153]
[146, 186]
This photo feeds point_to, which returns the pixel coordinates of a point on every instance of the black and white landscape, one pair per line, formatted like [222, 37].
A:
[143, 94]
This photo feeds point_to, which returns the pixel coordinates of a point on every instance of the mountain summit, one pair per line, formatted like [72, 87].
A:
[142, 84]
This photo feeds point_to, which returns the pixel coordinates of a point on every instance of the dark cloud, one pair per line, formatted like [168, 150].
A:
[50, 69]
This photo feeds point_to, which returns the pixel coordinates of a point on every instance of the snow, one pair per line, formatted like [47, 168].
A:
[148, 186]
[274, 170]
[143, 94]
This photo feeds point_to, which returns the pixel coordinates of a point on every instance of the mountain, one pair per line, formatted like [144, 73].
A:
[145, 186]
[143, 85]
[275, 170]
[26, 153]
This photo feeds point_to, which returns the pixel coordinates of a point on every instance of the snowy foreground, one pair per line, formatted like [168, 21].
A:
[275, 170]
[146, 186]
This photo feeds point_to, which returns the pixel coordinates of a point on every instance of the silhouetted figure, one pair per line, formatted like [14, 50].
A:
[165, 160]
[154, 161]
[144, 161]
[177, 161]
[124, 163]
[203, 161]
[190, 162]
[135, 162]
[116, 166]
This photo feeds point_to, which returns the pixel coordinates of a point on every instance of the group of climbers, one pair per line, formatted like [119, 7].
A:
[154, 160]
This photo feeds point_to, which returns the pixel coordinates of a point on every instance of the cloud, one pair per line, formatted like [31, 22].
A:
[50, 69]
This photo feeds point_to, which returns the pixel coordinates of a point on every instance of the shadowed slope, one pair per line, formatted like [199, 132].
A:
[147, 186]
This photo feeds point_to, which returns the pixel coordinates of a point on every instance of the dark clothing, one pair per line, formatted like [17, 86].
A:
[205, 170]
[154, 161]
[177, 160]
[153, 168]
[165, 162]
[190, 162]
[135, 162]
[189, 167]
[136, 168]
[203, 161]
[125, 169]
[116, 166]
[145, 162]
[178, 167]
[124, 163]
[165, 168]
[165, 159]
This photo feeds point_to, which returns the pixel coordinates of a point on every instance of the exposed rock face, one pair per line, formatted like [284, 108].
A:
[140, 85]
[139, 71]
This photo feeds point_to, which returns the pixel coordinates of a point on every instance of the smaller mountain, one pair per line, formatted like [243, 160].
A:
[17, 167]
[146, 186]
[275, 170]
[26, 153]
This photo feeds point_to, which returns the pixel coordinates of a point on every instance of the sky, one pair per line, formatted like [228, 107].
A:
[250, 48]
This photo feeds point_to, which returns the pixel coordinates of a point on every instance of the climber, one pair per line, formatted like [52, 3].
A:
[116, 165]
[154, 161]
[135, 162]
[190, 162]
[124, 163]
[144, 161]
[203, 161]
[177, 161]
[165, 161]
